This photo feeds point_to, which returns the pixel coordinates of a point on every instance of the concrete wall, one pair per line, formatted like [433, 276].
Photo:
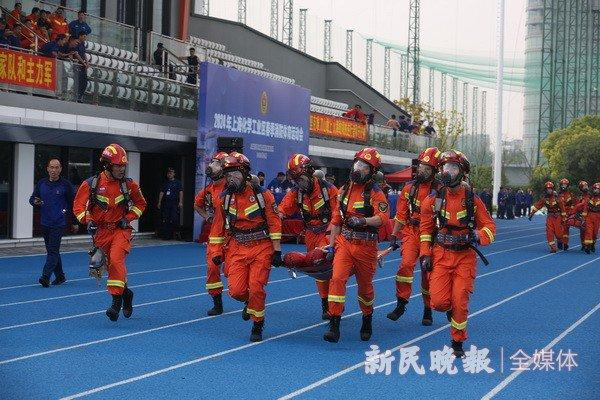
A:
[318, 76]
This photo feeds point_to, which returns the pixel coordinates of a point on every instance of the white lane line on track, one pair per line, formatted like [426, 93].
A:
[550, 345]
[325, 380]
[410, 342]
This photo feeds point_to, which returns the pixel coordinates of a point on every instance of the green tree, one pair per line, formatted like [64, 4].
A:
[574, 152]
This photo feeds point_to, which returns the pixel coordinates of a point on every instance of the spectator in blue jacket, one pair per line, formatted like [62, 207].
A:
[510, 204]
[78, 26]
[528, 202]
[501, 214]
[519, 203]
[54, 198]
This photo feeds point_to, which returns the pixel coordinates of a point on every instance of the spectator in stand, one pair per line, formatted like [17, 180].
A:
[2, 29]
[13, 36]
[193, 62]
[82, 66]
[28, 36]
[43, 23]
[371, 118]
[528, 202]
[356, 114]
[404, 125]
[58, 23]
[279, 184]
[79, 25]
[393, 123]
[14, 16]
[160, 56]
[34, 16]
[429, 129]
[261, 178]
[54, 47]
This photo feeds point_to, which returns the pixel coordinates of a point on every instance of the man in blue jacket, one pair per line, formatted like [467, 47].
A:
[79, 26]
[54, 198]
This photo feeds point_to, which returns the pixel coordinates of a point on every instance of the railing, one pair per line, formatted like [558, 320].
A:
[105, 31]
[384, 137]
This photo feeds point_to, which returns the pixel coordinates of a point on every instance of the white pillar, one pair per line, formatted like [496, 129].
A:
[499, 89]
[133, 171]
[22, 218]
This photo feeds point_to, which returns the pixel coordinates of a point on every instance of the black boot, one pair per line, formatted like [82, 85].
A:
[587, 248]
[560, 246]
[45, 282]
[593, 247]
[399, 310]
[325, 308]
[427, 317]
[366, 330]
[245, 315]
[113, 311]
[565, 247]
[333, 334]
[59, 281]
[127, 302]
[458, 349]
[256, 334]
[449, 315]
[217, 306]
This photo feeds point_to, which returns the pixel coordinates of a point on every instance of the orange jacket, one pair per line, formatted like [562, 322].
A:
[59, 25]
[566, 201]
[312, 204]
[12, 18]
[354, 204]
[206, 197]
[403, 214]
[588, 204]
[454, 209]
[108, 193]
[245, 215]
[550, 202]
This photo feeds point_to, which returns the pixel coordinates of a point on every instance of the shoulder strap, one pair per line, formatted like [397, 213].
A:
[343, 199]
[127, 203]
[470, 205]
[367, 199]
[93, 185]
[411, 197]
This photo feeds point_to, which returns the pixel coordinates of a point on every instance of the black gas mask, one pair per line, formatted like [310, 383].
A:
[451, 174]
[235, 180]
[361, 172]
[214, 170]
[303, 182]
[425, 173]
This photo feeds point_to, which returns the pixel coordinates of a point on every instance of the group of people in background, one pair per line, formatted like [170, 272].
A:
[514, 203]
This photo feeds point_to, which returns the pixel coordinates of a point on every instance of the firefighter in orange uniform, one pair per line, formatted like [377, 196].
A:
[204, 205]
[566, 200]
[363, 208]
[107, 203]
[589, 208]
[453, 221]
[316, 201]
[554, 226]
[408, 213]
[576, 219]
[246, 232]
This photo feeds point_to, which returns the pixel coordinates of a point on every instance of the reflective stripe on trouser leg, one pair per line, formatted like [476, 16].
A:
[116, 244]
[214, 285]
[410, 255]
[462, 287]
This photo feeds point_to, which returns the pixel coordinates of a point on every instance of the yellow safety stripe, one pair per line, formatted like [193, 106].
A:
[102, 198]
[461, 214]
[136, 210]
[251, 209]
[80, 216]
[400, 220]
[563, 213]
[320, 280]
[119, 199]
[275, 236]
[305, 207]
[336, 299]
[216, 239]
[404, 279]
[458, 326]
[425, 238]
[232, 211]
[365, 302]
[258, 314]
[588, 242]
[319, 204]
[533, 209]
[113, 282]
[425, 292]
[489, 233]
[417, 202]
[552, 243]
[446, 214]
[346, 201]
[215, 285]
[359, 204]
[406, 195]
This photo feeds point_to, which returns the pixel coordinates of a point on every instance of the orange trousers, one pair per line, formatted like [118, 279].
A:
[248, 269]
[214, 285]
[357, 257]
[410, 255]
[554, 230]
[451, 285]
[314, 240]
[592, 225]
[116, 244]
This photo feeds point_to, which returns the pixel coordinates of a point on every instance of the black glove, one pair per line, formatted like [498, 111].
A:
[92, 228]
[123, 224]
[217, 260]
[394, 243]
[426, 264]
[330, 253]
[276, 260]
[356, 222]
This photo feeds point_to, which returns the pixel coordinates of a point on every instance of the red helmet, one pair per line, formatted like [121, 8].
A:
[455, 156]
[549, 185]
[369, 155]
[596, 186]
[583, 186]
[237, 161]
[219, 156]
[430, 156]
[564, 181]
[299, 164]
[113, 154]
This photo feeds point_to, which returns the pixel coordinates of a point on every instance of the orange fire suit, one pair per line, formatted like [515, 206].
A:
[106, 210]
[246, 244]
[316, 217]
[590, 211]
[408, 215]
[59, 26]
[566, 201]
[554, 225]
[454, 265]
[205, 199]
[352, 255]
